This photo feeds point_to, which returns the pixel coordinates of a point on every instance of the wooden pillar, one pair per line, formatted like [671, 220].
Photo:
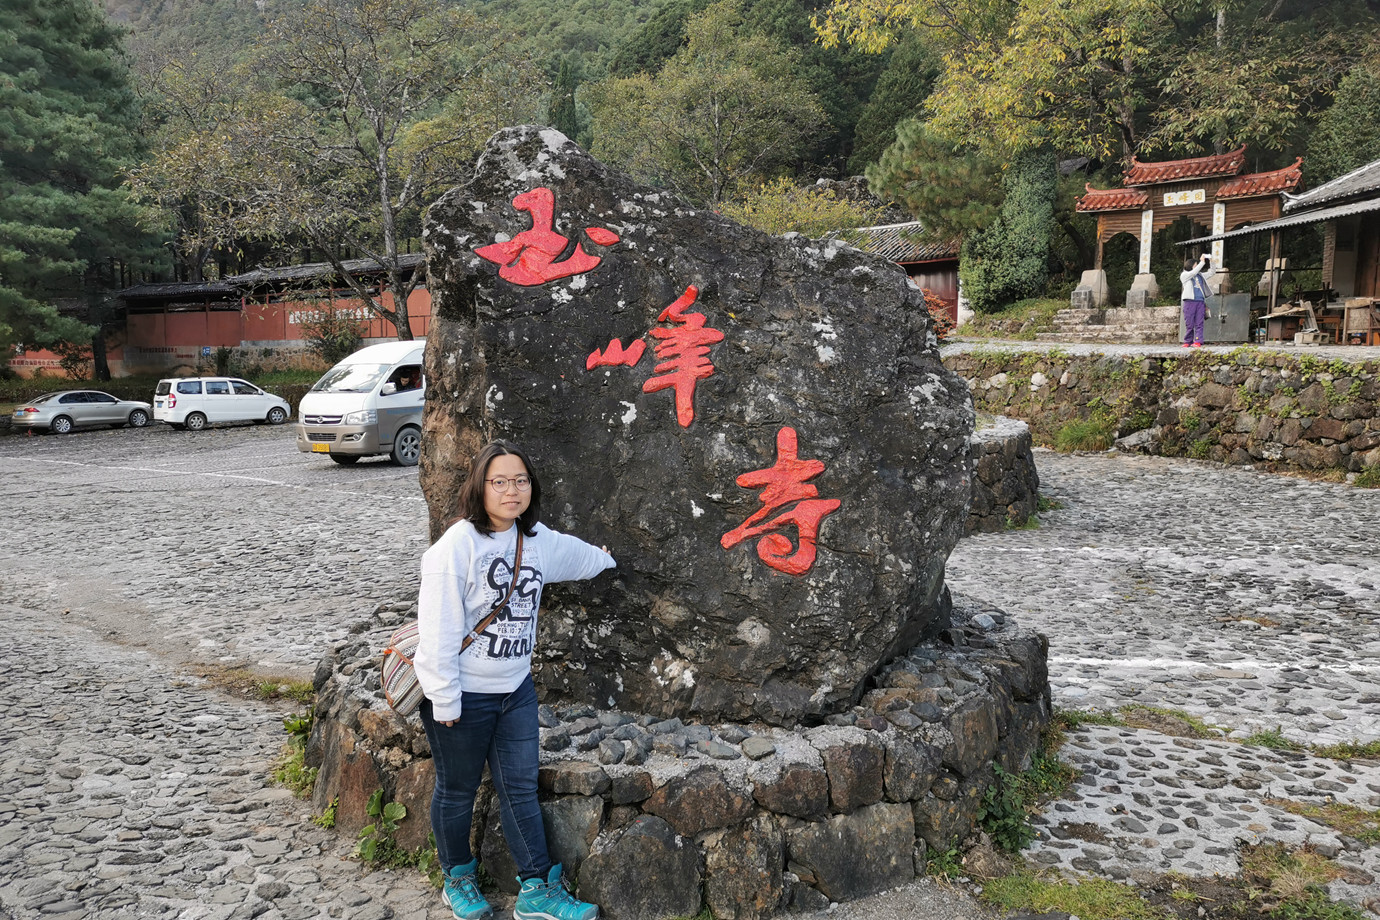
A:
[1219, 247]
[1101, 229]
[1147, 235]
[1274, 270]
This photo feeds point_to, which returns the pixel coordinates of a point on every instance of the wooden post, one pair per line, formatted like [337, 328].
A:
[1274, 270]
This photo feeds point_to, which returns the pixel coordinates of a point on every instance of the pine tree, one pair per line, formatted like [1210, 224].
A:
[563, 116]
[951, 190]
[68, 120]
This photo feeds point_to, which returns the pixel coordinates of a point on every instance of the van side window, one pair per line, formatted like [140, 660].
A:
[163, 389]
[217, 388]
[189, 386]
[245, 389]
[407, 377]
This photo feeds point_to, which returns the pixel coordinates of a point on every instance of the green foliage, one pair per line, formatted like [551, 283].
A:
[656, 41]
[1369, 478]
[563, 115]
[1273, 739]
[351, 118]
[1074, 719]
[1007, 260]
[1085, 434]
[1347, 750]
[377, 844]
[291, 770]
[1348, 133]
[948, 864]
[331, 330]
[327, 818]
[781, 206]
[1200, 449]
[68, 127]
[951, 190]
[1088, 899]
[1315, 905]
[1002, 814]
[1044, 504]
[902, 87]
[1111, 78]
[728, 109]
[1022, 320]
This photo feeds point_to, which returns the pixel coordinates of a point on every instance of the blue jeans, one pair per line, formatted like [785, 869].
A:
[500, 728]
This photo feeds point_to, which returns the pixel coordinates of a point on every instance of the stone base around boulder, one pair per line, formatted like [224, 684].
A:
[660, 818]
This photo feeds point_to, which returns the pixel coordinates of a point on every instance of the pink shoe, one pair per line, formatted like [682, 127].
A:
[1197, 344]
[1185, 345]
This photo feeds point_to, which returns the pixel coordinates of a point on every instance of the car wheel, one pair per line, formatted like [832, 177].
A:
[60, 425]
[407, 446]
[345, 459]
[276, 416]
[194, 422]
[138, 418]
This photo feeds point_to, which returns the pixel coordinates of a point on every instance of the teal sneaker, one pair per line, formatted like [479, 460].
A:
[548, 900]
[461, 893]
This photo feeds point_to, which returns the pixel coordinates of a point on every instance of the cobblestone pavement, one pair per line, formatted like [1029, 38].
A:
[1247, 601]
[130, 787]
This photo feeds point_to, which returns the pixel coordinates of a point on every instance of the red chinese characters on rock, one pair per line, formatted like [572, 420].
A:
[616, 355]
[783, 483]
[529, 258]
[683, 352]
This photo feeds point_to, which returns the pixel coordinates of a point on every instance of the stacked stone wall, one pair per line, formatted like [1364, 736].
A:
[662, 818]
[1006, 485]
[1282, 411]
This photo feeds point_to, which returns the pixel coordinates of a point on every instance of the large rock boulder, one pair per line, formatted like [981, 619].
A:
[758, 427]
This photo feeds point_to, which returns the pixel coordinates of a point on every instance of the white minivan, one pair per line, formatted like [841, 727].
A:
[195, 402]
[368, 404]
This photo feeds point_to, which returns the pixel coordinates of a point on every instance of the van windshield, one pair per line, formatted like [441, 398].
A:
[350, 378]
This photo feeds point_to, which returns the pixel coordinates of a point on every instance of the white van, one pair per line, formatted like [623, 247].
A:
[368, 404]
[195, 402]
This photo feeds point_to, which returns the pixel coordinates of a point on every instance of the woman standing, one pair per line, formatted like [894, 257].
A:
[1194, 281]
[481, 705]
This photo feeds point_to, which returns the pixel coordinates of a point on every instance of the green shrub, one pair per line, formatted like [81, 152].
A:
[1008, 259]
[1084, 434]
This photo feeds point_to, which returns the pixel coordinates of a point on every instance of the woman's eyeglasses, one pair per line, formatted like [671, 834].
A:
[501, 484]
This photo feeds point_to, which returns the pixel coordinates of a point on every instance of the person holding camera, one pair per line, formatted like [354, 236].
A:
[1194, 279]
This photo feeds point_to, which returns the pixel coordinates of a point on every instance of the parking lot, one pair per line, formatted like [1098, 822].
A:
[227, 545]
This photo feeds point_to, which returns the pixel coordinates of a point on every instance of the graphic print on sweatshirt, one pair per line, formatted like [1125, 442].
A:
[513, 631]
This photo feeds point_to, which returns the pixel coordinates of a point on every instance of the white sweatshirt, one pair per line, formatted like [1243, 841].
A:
[1186, 280]
[464, 576]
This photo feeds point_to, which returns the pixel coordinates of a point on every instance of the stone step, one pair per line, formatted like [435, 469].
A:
[1074, 315]
[1142, 315]
[1108, 335]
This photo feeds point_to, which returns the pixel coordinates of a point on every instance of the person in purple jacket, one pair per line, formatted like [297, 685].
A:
[1194, 280]
[481, 705]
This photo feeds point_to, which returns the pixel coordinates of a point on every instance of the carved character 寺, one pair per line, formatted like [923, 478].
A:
[783, 483]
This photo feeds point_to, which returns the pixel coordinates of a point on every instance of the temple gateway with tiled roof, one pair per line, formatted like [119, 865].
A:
[1210, 191]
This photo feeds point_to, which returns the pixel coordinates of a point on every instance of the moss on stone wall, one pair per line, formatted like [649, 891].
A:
[1281, 411]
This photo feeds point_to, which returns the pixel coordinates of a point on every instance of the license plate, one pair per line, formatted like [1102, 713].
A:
[321, 448]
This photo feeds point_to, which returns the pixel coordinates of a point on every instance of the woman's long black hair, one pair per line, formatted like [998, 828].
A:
[472, 492]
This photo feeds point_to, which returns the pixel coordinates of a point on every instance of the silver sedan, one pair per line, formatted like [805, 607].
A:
[61, 412]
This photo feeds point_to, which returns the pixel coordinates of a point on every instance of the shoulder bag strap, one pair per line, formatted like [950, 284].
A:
[493, 614]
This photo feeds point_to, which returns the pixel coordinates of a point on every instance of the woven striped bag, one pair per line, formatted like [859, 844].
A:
[400, 685]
